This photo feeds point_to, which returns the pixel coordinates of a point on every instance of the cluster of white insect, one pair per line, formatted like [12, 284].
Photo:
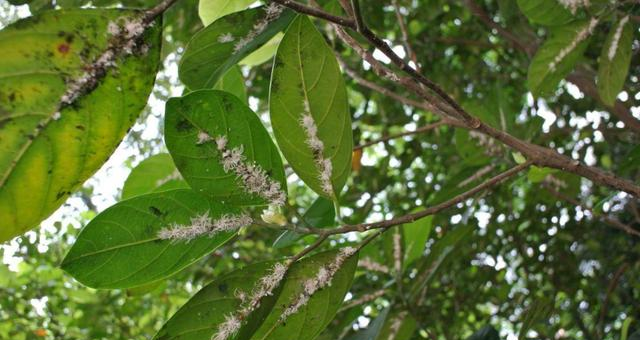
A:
[368, 264]
[250, 302]
[573, 5]
[225, 38]
[204, 225]
[615, 41]
[124, 42]
[397, 251]
[254, 179]
[317, 148]
[321, 279]
[273, 11]
[175, 175]
[581, 36]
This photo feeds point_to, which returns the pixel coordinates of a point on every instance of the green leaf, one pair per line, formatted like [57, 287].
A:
[415, 236]
[47, 151]
[545, 12]
[306, 77]
[614, 61]
[373, 330]
[625, 328]
[320, 214]
[233, 82]
[200, 317]
[264, 53]
[316, 314]
[219, 113]
[120, 247]
[206, 59]
[154, 174]
[211, 10]
[556, 58]
[440, 252]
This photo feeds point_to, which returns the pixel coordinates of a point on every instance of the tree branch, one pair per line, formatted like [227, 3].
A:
[431, 210]
[539, 155]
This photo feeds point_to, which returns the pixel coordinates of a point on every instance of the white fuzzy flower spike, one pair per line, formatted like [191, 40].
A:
[321, 279]
[272, 11]
[251, 301]
[225, 38]
[581, 36]
[616, 38]
[573, 5]
[323, 165]
[254, 179]
[204, 225]
[397, 252]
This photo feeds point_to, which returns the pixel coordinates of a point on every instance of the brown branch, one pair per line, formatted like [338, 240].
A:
[152, 13]
[608, 220]
[431, 210]
[309, 249]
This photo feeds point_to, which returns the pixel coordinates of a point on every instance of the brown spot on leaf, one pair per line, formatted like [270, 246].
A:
[64, 48]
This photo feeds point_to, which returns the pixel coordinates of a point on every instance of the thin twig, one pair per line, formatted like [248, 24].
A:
[309, 249]
[431, 210]
[419, 130]
[405, 35]
[608, 220]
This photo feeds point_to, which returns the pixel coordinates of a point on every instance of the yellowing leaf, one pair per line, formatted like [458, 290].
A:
[47, 150]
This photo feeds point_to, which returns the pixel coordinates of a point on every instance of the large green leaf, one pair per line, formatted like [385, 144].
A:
[614, 61]
[212, 51]
[555, 58]
[211, 10]
[219, 113]
[120, 247]
[545, 12]
[47, 151]
[199, 318]
[316, 314]
[306, 80]
[156, 173]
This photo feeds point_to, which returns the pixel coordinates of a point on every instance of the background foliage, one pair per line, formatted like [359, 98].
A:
[530, 258]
